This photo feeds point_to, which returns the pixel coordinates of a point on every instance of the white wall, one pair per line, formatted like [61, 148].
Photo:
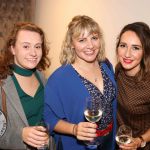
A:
[54, 15]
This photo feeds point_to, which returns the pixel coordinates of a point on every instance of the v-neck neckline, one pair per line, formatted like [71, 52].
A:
[102, 93]
[22, 92]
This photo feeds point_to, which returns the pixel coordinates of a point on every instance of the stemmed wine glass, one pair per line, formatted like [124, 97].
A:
[47, 127]
[124, 135]
[93, 113]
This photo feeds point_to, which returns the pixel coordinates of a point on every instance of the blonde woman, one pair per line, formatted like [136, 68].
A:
[84, 73]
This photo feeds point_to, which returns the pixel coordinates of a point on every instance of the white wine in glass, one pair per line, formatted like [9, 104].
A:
[93, 116]
[93, 113]
[124, 135]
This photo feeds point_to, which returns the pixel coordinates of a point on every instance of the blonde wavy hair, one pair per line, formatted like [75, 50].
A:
[75, 29]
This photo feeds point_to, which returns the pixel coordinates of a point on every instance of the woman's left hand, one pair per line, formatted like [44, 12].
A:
[136, 143]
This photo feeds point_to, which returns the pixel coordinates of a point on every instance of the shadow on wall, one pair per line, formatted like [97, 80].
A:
[12, 11]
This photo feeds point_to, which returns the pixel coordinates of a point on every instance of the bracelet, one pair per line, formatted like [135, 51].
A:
[74, 129]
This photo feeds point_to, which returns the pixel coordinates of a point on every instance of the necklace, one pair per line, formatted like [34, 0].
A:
[95, 79]
[92, 74]
[21, 71]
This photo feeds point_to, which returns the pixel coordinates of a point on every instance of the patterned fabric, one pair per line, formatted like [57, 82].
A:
[134, 103]
[65, 96]
[106, 98]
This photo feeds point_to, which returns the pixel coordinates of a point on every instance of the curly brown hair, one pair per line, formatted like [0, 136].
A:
[6, 56]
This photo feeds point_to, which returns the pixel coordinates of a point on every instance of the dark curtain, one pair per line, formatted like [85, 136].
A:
[12, 11]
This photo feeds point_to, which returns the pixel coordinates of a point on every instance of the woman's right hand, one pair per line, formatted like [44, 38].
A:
[35, 136]
[135, 144]
[85, 131]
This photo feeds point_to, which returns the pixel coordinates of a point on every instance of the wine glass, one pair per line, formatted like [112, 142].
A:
[93, 113]
[124, 135]
[47, 127]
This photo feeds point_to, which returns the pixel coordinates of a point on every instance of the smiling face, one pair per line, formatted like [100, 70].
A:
[86, 47]
[130, 52]
[28, 49]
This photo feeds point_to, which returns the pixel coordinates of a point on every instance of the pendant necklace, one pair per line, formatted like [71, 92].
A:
[95, 79]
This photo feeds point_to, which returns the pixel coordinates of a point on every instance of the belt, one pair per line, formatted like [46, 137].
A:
[105, 131]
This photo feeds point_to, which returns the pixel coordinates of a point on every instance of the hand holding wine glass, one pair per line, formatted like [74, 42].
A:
[40, 126]
[124, 135]
[93, 114]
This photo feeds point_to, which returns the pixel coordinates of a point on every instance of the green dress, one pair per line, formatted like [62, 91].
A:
[33, 106]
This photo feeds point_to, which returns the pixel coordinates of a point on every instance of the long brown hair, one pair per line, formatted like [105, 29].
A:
[6, 56]
[142, 30]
